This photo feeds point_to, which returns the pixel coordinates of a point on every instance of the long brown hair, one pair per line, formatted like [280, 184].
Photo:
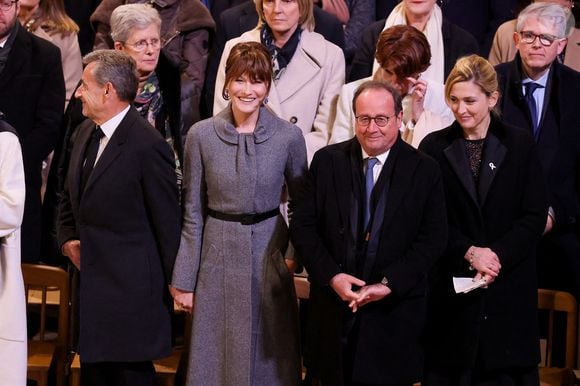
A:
[51, 16]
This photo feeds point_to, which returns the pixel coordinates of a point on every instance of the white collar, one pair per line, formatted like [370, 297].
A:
[111, 125]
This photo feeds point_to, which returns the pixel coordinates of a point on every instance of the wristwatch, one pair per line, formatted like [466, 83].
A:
[385, 281]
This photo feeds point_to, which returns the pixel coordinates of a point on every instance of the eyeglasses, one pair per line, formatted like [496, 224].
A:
[546, 40]
[283, 3]
[141, 45]
[380, 120]
[5, 6]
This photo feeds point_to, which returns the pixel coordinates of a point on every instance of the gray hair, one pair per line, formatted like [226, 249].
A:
[127, 17]
[117, 68]
[378, 85]
[549, 15]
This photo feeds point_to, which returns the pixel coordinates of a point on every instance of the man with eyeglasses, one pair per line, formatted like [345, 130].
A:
[540, 94]
[369, 225]
[32, 95]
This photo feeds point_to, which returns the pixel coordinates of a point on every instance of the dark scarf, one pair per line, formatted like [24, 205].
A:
[280, 56]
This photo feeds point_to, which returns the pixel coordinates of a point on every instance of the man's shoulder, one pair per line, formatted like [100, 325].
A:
[40, 48]
[570, 78]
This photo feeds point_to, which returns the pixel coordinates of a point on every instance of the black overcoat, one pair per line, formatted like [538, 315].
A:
[408, 234]
[506, 211]
[128, 223]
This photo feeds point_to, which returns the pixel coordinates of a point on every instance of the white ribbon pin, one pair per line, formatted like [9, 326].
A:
[492, 166]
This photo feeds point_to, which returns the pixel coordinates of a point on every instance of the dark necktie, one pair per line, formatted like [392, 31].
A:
[369, 183]
[530, 88]
[91, 156]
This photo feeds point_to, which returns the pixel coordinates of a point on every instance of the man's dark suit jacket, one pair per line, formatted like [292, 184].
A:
[409, 232]
[244, 17]
[32, 95]
[456, 43]
[559, 149]
[128, 223]
[493, 328]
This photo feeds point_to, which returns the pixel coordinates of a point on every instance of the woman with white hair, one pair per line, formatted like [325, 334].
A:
[136, 30]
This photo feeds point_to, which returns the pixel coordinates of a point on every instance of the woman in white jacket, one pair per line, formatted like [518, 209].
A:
[308, 70]
[404, 55]
[13, 338]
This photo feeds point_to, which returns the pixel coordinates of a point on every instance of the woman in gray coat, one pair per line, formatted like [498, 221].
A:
[231, 257]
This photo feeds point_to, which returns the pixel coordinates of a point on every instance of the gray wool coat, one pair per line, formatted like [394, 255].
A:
[245, 325]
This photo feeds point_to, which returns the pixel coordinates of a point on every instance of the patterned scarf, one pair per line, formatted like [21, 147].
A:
[280, 56]
[149, 101]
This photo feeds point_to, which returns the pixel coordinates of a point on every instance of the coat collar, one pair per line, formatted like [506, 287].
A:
[110, 153]
[225, 129]
[492, 159]
[307, 61]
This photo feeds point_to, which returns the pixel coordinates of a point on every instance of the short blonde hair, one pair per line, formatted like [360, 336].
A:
[306, 20]
[476, 69]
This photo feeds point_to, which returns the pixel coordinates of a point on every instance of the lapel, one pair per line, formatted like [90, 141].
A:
[306, 62]
[547, 94]
[386, 199]
[113, 148]
[349, 191]
[516, 94]
[492, 158]
[77, 157]
[18, 56]
[457, 157]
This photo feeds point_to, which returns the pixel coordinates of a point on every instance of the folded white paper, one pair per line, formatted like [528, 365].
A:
[466, 284]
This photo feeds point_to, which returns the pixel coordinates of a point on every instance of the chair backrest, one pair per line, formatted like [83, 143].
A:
[560, 301]
[45, 280]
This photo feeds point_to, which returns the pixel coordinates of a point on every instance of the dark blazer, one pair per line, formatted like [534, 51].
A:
[559, 149]
[456, 43]
[408, 234]
[128, 222]
[244, 17]
[506, 212]
[32, 95]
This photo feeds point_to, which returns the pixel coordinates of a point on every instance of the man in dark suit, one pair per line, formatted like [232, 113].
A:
[120, 213]
[548, 108]
[32, 98]
[244, 17]
[368, 250]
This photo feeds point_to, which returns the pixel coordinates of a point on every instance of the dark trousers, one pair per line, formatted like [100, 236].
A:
[118, 374]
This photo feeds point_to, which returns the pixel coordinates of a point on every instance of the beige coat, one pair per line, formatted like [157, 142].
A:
[12, 304]
[306, 93]
[503, 48]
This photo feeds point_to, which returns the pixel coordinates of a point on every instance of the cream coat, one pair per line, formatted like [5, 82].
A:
[12, 303]
[306, 93]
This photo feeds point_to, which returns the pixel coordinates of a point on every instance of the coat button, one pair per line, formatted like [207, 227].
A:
[293, 120]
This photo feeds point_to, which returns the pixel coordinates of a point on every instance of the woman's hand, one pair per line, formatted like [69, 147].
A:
[291, 264]
[484, 261]
[185, 300]
[418, 90]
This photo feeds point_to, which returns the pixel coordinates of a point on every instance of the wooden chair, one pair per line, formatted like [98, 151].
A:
[552, 302]
[42, 283]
